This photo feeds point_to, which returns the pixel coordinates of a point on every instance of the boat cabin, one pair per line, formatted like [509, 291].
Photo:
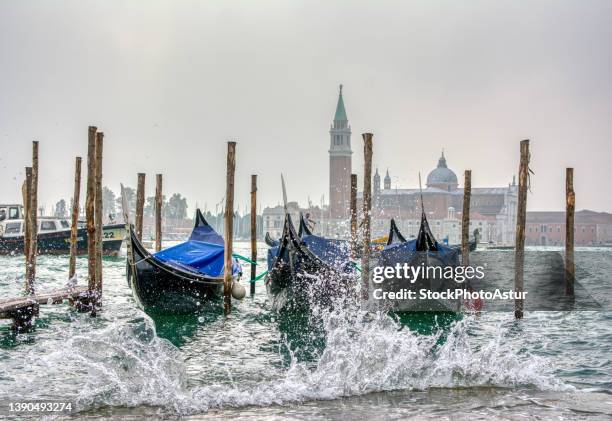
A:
[11, 212]
[16, 227]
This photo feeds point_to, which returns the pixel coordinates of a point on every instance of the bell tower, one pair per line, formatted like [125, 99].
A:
[339, 162]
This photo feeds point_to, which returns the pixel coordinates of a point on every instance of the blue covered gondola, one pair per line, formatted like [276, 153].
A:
[180, 279]
[306, 268]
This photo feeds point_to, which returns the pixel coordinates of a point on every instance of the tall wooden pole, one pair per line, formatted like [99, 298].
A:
[253, 231]
[367, 207]
[354, 214]
[33, 218]
[229, 227]
[76, 196]
[158, 212]
[27, 217]
[98, 214]
[140, 198]
[521, 214]
[89, 208]
[465, 219]
[570, 196]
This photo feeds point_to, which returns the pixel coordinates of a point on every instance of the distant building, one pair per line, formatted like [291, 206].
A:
[274, 217]
[548, 228]
[492, 209]
[339, 162]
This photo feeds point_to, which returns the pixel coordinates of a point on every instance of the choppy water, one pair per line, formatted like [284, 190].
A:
[348, 365]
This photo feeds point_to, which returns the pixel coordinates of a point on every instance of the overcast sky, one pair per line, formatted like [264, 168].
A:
[170, 82]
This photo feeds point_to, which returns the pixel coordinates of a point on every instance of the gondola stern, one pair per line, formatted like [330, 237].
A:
[200, 221]
[303, 229]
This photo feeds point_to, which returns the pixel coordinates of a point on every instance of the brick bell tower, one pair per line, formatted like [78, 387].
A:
[340, 163]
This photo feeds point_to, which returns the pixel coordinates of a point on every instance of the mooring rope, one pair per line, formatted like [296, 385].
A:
[246, 259]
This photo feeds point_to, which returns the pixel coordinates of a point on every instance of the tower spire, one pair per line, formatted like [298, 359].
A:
[340, 110]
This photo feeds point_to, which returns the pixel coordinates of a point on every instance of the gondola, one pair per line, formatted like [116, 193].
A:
[307, 269]
[426, 252]
[395, 236]
[183, 279]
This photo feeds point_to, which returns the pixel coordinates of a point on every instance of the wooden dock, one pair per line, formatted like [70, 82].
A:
[22, 310]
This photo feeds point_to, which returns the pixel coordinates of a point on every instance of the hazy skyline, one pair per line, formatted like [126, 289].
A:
[170, 83]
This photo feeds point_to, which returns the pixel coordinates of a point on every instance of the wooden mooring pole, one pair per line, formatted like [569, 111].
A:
[354, 215]
[465, 219]
[158, 212]
[140, 198]
[33, 231]
[75, 218]
[27, 227]
[89, 209]
[253, 231]
[570, 197]
[367, 207]
[521, 213]
[98, 214]
[229, 227]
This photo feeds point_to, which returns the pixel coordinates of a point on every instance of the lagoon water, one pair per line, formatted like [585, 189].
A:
[344, 364]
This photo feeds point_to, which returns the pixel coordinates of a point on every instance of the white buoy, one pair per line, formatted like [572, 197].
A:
[238, 291]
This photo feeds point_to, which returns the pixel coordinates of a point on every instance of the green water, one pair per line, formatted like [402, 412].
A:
[346, 364]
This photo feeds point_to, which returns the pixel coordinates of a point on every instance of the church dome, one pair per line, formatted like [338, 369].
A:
[442, 176]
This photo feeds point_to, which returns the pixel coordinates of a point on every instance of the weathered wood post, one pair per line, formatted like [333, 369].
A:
[76, 196]
[229, 227]
[98, 214]
[158, 212]
[89, 209]
[140, 199]
[367, 207]
[27, 218]
[253, 231]
[521, 214]
[465, 219]
[354, 215]
[570, 197]
[33, 208]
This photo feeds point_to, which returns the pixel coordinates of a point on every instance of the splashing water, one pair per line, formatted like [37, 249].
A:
[248, 359]
[128, 365]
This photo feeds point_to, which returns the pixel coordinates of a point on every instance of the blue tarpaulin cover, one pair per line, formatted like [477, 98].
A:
[207, 234]
[334, 253]
[202, 253]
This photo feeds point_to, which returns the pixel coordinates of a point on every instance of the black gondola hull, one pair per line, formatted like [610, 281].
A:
[162, 289]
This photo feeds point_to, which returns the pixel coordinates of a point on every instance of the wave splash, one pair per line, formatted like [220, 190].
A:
[128, 365]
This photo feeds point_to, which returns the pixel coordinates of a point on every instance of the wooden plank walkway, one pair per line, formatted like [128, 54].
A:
[8, 308]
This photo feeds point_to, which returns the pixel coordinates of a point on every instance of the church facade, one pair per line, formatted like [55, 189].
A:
[493, 209]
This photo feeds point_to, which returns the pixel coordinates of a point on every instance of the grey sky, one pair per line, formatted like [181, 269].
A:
[170, 82]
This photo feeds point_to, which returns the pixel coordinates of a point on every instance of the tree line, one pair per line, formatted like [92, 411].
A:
[175, 207]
